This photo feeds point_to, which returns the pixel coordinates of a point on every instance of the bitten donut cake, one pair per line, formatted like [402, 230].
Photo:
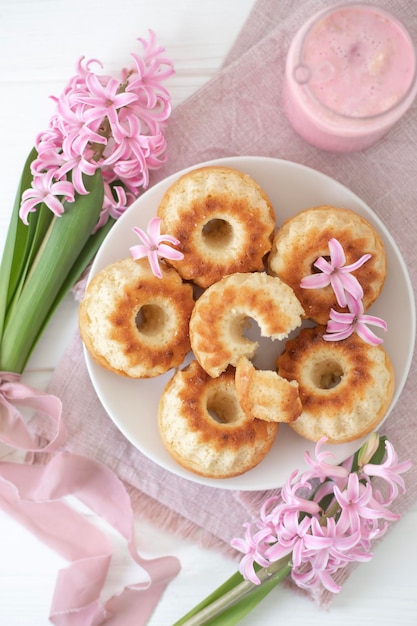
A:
[302, 239]
[223, 221]
[204, 429]
[222, 311]
[265, 395]
[134, 323]
[345, 386]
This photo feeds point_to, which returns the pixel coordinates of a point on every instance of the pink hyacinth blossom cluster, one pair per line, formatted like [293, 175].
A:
[113, 124]
[324, 518]
[349, 294]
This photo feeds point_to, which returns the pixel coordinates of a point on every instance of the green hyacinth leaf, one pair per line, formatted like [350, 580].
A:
[37, 229]
[16, 245]
[234, 599]
[85, 257]
[227, 586]
[66, 238]
[234, 614]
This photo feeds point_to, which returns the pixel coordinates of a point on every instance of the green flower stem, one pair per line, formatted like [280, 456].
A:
[236, 598]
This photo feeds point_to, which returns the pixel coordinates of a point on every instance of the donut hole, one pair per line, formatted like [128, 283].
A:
[327, 374]
[217, 233]
[223, 407]
[240, 328]
[264, 356]
[250, 328]
[150, 320]
[316, 270]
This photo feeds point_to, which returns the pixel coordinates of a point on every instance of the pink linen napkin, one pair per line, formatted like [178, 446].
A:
[239, 112]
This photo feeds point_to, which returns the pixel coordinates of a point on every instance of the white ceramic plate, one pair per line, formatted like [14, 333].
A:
[133, 404]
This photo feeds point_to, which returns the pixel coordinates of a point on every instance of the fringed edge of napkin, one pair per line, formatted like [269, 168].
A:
[170, 521]
[150, 510]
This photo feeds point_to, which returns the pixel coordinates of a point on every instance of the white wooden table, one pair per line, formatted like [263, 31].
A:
[40, 42]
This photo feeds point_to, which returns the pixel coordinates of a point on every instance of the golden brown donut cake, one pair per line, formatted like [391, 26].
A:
[302, 239]
[222, 311]
[223, 220]
[265, 395]
[345, 386]
[134, 323]
[204, 429]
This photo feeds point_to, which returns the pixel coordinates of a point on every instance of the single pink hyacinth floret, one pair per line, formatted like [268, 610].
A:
[390, 470]
[48, 191]
[320, 467]
[336, 274]
[154, 246]
[342, 325]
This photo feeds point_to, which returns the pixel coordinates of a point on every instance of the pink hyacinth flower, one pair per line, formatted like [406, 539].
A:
[101, 122]
[316, 543]
[77, 166]
[321, 469]
[154, 246]
[336, 274]
[45, 190]
[342, 325]
[105, 102]
[390, 470]
[252, 550]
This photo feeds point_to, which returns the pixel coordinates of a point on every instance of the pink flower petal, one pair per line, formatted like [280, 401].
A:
[323, 265]
[354, 266]
[374, 321]
[28, 206]
[342, 318]
[315, 281]
[335, 327]
[166, 252]
[54, 204]
[339, 336]
[154, 263]
[170, 239]
[337, 284]
[147, 241]
[154, 230]
[139, 251]
[355, 307]
[337, 254]
[351, 285]
[367, 335]
[61, 187]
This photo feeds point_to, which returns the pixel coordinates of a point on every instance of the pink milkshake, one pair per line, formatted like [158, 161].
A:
[350, 75]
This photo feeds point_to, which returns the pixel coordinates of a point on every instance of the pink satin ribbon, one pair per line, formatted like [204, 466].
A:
[13, 429]
[32, 494]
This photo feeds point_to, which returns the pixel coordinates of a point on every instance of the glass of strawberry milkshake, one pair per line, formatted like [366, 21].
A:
[350, 75]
